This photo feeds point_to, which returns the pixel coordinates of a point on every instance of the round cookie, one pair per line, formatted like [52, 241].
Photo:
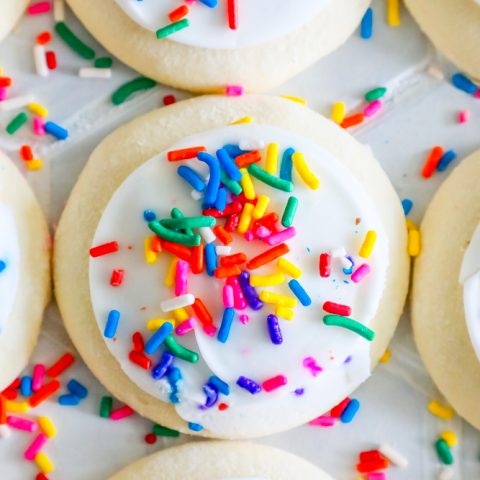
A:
[452, 26]
[213, 460]
[24, 271]
[348, 170]
[12, 10]
[294, 40]
[438, 311]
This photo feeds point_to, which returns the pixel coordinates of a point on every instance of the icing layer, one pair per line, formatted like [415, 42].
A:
[259, 22]
[338, 214]
[9, 263]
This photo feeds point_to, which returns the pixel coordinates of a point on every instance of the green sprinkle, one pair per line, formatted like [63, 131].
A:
[443, 452]
[289, 212]
[106, 407]
[18, 122]
[230, 184]
[350, 324]
[103, 62]
[271, 180]
[177, 213]
[172, 28]
[74, 42]
[192, 222]
[179, 351]
[175, 237]
[375, 94]
[164, 431]
[129, 88]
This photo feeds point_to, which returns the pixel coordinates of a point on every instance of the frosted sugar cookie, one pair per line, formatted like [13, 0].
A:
[276, 297]
[11, 11]
[445, 299]
[222, 461]
[452, 26]
[207, 45]
[24, 271]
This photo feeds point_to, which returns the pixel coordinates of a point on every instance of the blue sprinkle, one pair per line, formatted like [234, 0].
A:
[56, 130]
[26, 386]
[462, 82]
[350, 411]
[192, 177]
[221, 201]
[68, 400]
[300, 292]
[77, 389]
[234, 150]
[348, 271]
[407, 205]
[154, 342]
[366, 28]
[220, 385]
[174, 375]
[226, 325]
[227, 163]
[160, 370]
[3, 266]
[211, 394]
[112, 324]
[286, 165]
[214, 181]
[447, 158]
[210, 259]
[149, 216]
[196, 427]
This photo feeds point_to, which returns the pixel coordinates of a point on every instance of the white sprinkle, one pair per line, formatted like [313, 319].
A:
[394, 456]
[15, 102]
[177, 302]
[59, 10]
[87, 72]
[338, 252]
[207, 234]
[40, 60]
[346, 263]
[223, 250]
[246, 144]
[446, 473]
[4, 431]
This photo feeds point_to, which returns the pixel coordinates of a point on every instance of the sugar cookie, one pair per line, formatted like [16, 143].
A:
[11, 12]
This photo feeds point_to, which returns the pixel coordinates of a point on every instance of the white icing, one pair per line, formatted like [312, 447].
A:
[259, 21]
[10, 256]
[325, 219]
[470, 278]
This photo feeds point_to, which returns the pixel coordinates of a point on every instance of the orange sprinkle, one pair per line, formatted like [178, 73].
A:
[234, 259]
[44, 38]
[227, 271]
[248, 158]
[198, 259]
[3, 410]
[156, 244]
[352, 120]
[184, 153]
[432, 161]
[46, 391]
[222, 234]
[26, 153]
[268, 256]
[178, 13]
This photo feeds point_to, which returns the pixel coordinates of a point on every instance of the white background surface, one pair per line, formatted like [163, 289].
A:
[419, 114]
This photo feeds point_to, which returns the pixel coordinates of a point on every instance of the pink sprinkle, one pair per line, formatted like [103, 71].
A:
[464, 116]
[244, 318]
[3, 93]
[181, 278]
[234, 90]
[372, 108]
[228, 298]
[38, 126]
[35, 446]
[323, 421]
[38, 8]
[22, 424]
[274, 383]
[263, 232]
[210, 330]
[361, 272]
[477, 93]
[249, 236]
[239, 298]
[376, 476]
[281, 236]
[121, 413]
[186, 326]
[311, 364]
[38, 376]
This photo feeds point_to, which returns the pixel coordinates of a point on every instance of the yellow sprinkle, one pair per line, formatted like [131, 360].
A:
[305, 173]
[47, 427]
[247, 184]
[267, 280]
[245, 218]
[242, 120]
[368, 244]
[17, 407]
[414, 243]
[38, 109]
[302, 101]
[280, 300]
[284, 312]
[449, 437]
[338, 112]
[44, 463]
[1, 71]
[289, 268]
[34, 164]
[150, 255]
[180, 314]
[260, 207]
[393, 13]
[271, 163]
[170, 277]
[386, 356]
[155, 323]
[411, 225]
[439, 410]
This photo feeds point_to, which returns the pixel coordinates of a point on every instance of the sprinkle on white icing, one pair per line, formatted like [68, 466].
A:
[9, 263]
[259, 21]
[325, 219]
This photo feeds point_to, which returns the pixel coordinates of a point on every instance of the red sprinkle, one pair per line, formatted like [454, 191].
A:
[230, 209]
[352, 120]
[184, 153]
[60, 365]
[150, 438]
[325, 265]
[104, 249]
[178, 13]
[222, 407]
[5, 82]
[232, 7]
[26, 153]
[117, 278]
[181, 251]
[138, 343]
[41, 476]
[140, 359]
[51, 60]
[248, 158]
[432, 162]
[337, 309]
[339, 409]
[370, 456]
[169, 100]
[44, 38]
[268, 256]
[268, 221]
[3, 410]
[43, 393]
[232, 222]
[373, 466]
[198, 259]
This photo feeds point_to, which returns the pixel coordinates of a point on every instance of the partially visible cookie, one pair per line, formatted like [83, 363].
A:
[11, 11]
[24, 271]
[222, 461]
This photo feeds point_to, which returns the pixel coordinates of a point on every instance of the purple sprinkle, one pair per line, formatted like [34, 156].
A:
[211, 393]
[160, 370]
[249, 291]
[274, 330]
[299, 391]
[348, 359]
[248, 384]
